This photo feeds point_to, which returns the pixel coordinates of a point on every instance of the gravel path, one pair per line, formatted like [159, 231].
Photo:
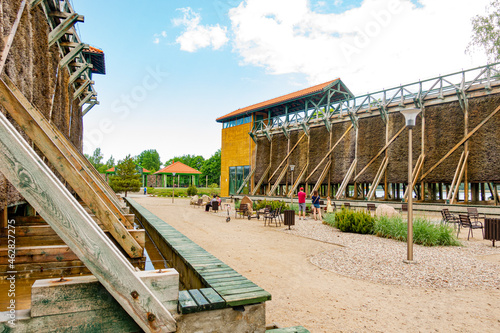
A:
[367, 257]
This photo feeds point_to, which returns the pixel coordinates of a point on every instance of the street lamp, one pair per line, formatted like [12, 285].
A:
[410, 117]
[292, 167]
[173, 186]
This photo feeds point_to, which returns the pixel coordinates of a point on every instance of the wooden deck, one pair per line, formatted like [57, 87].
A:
[233, 288]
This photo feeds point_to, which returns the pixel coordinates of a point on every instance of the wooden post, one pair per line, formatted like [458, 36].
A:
[3, 220]
[39, 186]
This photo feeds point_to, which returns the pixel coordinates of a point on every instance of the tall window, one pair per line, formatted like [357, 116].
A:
[237, 175]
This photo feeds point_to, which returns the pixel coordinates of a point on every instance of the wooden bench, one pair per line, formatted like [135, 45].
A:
[196, 300]
[191, 260]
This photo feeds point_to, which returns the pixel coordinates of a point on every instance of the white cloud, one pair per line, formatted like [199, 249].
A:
[196, 36]
[157, 37]
[380, 44]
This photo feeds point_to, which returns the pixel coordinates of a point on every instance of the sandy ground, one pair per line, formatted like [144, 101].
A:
[320, 300]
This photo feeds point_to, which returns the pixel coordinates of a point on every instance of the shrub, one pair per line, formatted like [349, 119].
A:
[192, 190]
[352, 221]
[424, 232]
[275, 204]
[329, 218]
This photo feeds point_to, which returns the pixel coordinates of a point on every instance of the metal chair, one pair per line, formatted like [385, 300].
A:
[242, 211]
[466, 222]
[474, 214]
[450, 218]
[215, 206]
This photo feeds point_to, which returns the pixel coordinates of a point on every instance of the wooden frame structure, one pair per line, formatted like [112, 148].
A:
[480, 83]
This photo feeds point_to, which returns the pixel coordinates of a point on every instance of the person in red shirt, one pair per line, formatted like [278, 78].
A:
[302, 202]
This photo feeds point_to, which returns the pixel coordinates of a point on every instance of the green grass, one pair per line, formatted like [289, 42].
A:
[424, 232]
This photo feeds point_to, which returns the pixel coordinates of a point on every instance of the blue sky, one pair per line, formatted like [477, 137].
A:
[173, 67]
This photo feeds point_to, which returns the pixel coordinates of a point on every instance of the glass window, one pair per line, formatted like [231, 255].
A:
[232, 180]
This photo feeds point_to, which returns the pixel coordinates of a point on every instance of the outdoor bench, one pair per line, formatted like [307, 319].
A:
[199, 271]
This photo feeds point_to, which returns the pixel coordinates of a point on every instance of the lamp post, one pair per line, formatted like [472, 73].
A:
[410, 117]
[292, 167]
[173, 186]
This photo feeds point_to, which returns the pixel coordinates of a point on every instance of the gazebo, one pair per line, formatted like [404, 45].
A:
[185, 175]
[143, 172]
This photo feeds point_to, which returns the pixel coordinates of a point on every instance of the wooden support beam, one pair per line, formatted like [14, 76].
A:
[278, 180]
[52, 145]
[414, 175]
[298, 180]
[62, 28]
[287, 155]
[461, 142]
[461, 174]
[378, 177]
[86, 99]
[35, 3]
[322, 176]
[82, 89]
[89, 107]
[259, 183]
[79, 72]
[456, 175]
[330, 151]
[345, 182]
[380, 153]
[71, 55]
[39, 186]
[64, 15]
[12, 33]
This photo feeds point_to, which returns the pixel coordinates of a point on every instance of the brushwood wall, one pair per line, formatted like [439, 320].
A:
[443, 129]
[33, 67]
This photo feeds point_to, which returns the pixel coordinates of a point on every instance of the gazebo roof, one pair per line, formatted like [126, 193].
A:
[180, 168]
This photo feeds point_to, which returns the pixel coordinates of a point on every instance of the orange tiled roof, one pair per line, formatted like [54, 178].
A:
[178, 167]
[94, 50]
[278, 100]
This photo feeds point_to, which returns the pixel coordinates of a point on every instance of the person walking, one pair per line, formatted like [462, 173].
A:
[316, 208]
[302, 202]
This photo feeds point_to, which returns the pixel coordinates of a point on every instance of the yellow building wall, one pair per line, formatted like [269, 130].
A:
[237, 149]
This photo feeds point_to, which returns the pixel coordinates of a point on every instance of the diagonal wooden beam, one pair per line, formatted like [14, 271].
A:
[62, 28]
[345, 182]
[460, 176]
[380, 152]
[298, 180]
[261, 180]
[10, 38]
[38, 185]
[460, 142]
[71, 55]
[329, 152]
[278, 180]
[71, 151]
[455, 177]
[35, 3]
[378, 177]
[79, 72]
[38, 129]
[82, 89]
[288, 155]
[247, 178]
[322, 176]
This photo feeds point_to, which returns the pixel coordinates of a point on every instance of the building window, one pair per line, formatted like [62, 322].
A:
[237, 175]
[236, 122]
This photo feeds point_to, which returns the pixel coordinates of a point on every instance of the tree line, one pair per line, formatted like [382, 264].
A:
[150, 160]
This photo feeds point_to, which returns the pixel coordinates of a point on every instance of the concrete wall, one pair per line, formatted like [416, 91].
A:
[237, 149]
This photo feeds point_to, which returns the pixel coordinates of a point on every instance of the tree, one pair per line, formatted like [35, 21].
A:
[486, 32]
[194, 161]
[111, 162]
[96, 158]
[211, 168]
[127, 178]
[149, 159]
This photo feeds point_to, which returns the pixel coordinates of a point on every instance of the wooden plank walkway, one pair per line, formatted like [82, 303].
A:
[232, 287]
